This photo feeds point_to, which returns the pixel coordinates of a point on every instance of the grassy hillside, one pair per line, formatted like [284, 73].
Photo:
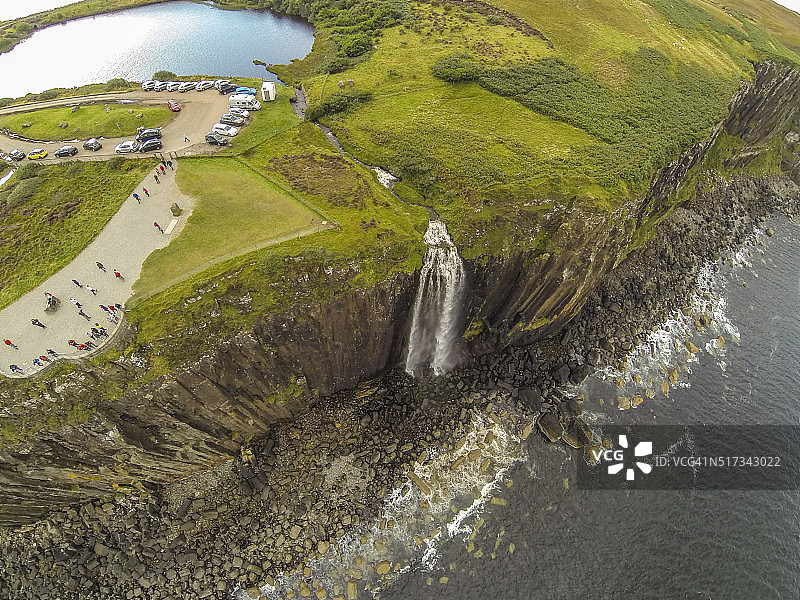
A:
[512, 108]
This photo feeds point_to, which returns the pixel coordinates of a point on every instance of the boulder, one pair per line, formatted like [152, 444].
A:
[593, 358]
[562, 374]
[532, 398]
[550, 427]
[63, 124]
[580, 373]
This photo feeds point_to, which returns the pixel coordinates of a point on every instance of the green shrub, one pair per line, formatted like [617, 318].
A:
[337, 65]
[30, 170]
[336, 103]
[456, 68]
[355, 45]
[23, 191]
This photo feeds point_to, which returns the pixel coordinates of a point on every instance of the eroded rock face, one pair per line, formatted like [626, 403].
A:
[195, 419]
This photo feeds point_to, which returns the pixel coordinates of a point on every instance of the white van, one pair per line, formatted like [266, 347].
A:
[245, 101]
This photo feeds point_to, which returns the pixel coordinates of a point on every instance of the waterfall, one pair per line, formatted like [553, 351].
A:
[434, 329]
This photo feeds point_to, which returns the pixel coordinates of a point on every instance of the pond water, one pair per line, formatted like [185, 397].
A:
[186, 38]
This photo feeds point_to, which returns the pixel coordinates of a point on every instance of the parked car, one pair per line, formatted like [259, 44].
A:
[246, 90]
[92, 144]
[173, 86]
[187, 85]
[127, 146]
[160, 86]
[226, 88]
[219, 82]
[204, 85]
[239, 112]
[66, 151]
[212, 137]
[173, 105]
[228, 130]
[230, 119]
[150, 145]
[147, 134]
[16, 154]
[37, 153]
[149, 85]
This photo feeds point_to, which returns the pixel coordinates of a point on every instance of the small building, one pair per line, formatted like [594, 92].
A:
[268, 91]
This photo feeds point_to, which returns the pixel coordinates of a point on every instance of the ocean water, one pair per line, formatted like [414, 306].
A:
[513, 523]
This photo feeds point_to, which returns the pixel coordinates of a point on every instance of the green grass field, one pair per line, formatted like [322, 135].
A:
[93, 120]
[51, 213]
[236, 210]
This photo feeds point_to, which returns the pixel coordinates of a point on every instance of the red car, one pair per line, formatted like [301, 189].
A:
[173, 105]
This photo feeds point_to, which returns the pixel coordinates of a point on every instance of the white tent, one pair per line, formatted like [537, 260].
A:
[268, 91]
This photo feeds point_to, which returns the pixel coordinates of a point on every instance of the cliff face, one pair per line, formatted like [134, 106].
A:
[193, 420]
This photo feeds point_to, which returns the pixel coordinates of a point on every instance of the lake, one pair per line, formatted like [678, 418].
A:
[186, 38]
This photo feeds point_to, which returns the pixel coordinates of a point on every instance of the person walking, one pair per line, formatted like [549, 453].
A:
[185, 138]
[169, 162]
[157, 226]
[75, 281]
[135, 195]
[91, 289]
[105, 308]
[146, 193]
[73, 343]
[37, 362]
[15, 369]
[118, 275]
[45, 358]
[100, 266]
[10, 345]
[155, 175]
[163, 171]
[52, 352]
[75, 302]
[84, 315]
[38, 323]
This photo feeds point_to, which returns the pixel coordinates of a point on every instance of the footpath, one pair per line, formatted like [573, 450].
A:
[123, 244]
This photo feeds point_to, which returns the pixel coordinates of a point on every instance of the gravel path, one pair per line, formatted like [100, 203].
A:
[126, 240]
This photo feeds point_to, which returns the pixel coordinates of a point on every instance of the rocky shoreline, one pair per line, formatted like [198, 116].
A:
[295, 492]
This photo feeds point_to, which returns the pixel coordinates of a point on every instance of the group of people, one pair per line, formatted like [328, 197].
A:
[96, 333]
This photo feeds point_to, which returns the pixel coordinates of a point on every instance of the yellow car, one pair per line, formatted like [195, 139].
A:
[37, 153]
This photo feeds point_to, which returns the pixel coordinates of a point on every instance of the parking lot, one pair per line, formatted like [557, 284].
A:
[199, 111]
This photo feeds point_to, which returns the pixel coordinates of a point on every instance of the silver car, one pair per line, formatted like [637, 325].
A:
[127, 146]
[187, 85]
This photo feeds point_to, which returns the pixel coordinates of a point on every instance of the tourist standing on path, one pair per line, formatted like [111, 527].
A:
[135, 195]
[84, 315]
[10, 345]
[15, 369]
[52, 352]
[91, 289]
[100, 266]
[118, 275]
[156, 177]
[75, 302]
[169, 162]
[163, 171]
[146, 193]
[44, 358]
[75, 281]
[185, 138]
[37, 362]
[38, 323]
[157, 226]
